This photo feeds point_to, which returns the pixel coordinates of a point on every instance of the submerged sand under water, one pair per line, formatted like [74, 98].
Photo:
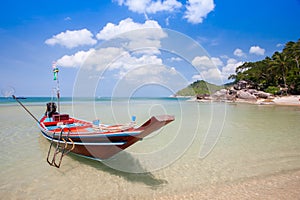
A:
[257, 155]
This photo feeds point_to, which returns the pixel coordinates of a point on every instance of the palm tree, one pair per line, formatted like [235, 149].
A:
[280, 65]
[292, 49]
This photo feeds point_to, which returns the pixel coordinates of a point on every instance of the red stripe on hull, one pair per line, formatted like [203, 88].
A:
[108, 149]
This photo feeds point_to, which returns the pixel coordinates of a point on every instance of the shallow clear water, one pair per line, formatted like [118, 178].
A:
[255, 141]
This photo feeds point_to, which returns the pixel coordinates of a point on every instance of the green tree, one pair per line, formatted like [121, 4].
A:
[281, 69]
[280, 64]
[293, 50]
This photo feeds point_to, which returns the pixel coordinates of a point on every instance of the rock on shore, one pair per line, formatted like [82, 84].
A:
[244, 92]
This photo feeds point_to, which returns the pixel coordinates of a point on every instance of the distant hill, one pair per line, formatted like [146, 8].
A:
[199, 87]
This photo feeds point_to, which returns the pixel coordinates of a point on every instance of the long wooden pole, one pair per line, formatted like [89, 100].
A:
[26, 109]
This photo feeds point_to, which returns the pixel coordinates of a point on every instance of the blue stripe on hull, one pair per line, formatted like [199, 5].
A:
[85, 143]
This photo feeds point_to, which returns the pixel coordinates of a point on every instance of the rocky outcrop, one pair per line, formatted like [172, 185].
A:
[240, 85]
[203, 97]
[246, 95]
[218, 95]
[263, 95]
[240, 91]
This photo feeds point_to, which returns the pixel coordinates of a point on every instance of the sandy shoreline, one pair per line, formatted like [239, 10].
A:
[284, 185]
[292, 100]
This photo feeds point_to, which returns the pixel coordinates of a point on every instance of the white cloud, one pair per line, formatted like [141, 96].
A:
[110, 58]
[200, 61]
[97, 60]
[224, 57]
[239, 52]
[230, 67]
[279, 45]
[138, 47]
[257, 50]
[142, 37]
[175, 59]
[127, 62]
[167, 21]
[213, 74]
[167, 5]
[104, 58]
[75, 60]
[67, 18]
[114, 31]
[208, 69]
[149, 6]
[116, 63]
[217, 61]
[150, 75]
[204, 62]
[197, 10]
[71, 39]
[197, 77]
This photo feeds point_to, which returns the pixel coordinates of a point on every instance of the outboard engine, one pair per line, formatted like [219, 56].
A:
[51, 109]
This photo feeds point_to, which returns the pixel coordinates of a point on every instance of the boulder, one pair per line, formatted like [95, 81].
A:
[240, 85]
[220, 95]
[230, 97]
[263, 95]
[252, 91]
[223, 91]
[246, 95]
[232, 92]
[202, 96]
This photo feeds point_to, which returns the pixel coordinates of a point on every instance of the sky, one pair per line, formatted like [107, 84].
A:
[136, 47]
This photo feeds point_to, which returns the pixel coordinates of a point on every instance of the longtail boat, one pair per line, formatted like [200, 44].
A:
[89, 139]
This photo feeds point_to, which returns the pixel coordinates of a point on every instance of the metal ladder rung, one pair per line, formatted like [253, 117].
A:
[60, 148]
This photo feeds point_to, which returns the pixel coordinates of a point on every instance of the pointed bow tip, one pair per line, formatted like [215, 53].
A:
[165, 117]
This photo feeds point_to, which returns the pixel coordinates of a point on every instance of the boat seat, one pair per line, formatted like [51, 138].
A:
[54, 123]
[60, 117]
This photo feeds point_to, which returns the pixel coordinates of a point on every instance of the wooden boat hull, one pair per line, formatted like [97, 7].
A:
[101, 145]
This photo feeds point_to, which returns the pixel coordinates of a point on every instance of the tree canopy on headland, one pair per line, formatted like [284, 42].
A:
[279, 72]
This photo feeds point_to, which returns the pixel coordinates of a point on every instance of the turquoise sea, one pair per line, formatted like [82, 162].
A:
[208, 144]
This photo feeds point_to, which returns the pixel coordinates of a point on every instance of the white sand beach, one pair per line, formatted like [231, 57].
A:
[293, 100]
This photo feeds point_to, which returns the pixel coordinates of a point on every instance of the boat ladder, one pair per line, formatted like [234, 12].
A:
[60, 146]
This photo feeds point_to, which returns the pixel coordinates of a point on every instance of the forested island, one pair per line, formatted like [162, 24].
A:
[199, 87]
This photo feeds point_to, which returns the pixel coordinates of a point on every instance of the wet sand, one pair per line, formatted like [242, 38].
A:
[288, 100]
[284, 185]
[292, 100]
